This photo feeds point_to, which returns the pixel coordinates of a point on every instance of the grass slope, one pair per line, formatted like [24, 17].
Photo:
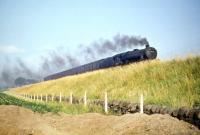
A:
[174, 83]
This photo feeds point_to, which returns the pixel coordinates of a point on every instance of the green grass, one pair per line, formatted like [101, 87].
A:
[42, 107]
[174, 83]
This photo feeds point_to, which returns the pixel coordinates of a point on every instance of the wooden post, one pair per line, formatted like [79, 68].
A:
[52, 96]
[106, 103]
[60, 97]
[31, 96]
[46, 98]
[37, 97]
[141, 103]
[70, 98]
[34, 96]
[41, 97]
[85, 98]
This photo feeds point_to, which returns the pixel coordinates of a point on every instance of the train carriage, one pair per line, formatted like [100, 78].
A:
[120, 59]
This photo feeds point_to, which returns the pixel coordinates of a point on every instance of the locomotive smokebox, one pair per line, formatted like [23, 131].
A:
[150, 52]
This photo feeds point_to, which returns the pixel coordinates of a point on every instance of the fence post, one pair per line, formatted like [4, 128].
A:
[85, 98]
[46, 98]
[31, 96]
[37, 97]
[106, 103]
[52, 96]
[70, 98]
[34, 97]
[60, 97]
[141, 103]
[41, 97]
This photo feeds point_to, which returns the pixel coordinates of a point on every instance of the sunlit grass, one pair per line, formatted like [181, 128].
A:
[173, 83]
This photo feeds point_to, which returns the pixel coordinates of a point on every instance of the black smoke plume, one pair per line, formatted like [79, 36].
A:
[118, 43]
[10, 72]
[55, 61]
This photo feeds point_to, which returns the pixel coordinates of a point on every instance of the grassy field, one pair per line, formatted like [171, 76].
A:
[43, 107]
[174, 83]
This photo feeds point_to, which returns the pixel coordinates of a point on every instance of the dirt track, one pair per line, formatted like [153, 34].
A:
[18, 120]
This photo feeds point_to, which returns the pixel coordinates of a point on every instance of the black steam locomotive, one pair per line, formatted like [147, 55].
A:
[120, 59]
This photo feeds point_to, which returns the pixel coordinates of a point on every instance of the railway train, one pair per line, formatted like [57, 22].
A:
[136, 55]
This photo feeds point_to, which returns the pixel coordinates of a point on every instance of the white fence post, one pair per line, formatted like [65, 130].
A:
[52, 96]
[85, 98]
[34, 97]
[141, 103]
[31, 96]
[106, 103]
[41, 97]
[46, 98]
[37, 97]
[60, 97]
[70, 98]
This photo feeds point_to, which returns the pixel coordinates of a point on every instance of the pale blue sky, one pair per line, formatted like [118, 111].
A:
[29, 28]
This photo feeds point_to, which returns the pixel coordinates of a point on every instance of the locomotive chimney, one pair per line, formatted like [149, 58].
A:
[147, 45]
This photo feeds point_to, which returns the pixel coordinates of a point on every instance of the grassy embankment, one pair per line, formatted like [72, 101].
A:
[43, 107]
[174, 83]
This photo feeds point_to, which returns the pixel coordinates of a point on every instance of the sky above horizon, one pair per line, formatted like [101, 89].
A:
[31, 30]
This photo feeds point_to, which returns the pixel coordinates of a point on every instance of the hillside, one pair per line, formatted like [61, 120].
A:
[174, 83]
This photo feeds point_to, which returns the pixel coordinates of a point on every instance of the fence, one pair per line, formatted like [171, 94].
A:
[189, 115]
[73, 100]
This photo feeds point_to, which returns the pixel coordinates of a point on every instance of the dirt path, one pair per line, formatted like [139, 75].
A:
[18, 120]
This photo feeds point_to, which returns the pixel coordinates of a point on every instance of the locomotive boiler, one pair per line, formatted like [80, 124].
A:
[148, 53]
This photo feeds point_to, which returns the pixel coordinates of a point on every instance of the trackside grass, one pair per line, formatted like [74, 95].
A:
[174, 83]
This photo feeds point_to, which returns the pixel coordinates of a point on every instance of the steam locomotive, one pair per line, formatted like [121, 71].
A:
[120, 59]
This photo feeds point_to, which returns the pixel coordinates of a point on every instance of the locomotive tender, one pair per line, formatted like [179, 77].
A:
[120, 59]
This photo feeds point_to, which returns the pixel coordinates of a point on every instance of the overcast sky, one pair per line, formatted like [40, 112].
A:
[30, 28]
